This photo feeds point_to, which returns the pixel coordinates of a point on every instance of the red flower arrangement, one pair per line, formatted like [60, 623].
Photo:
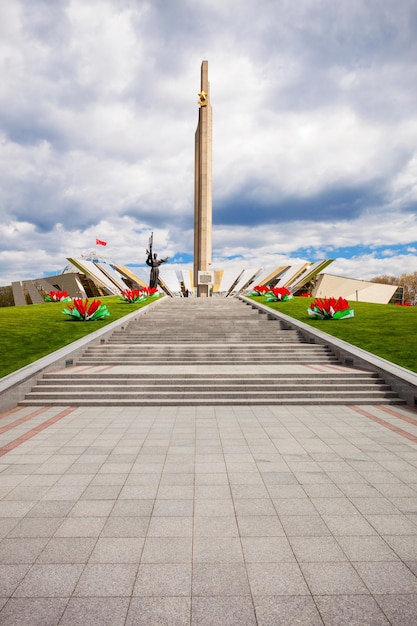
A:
[278, 294]
[260, 290]
[57, 296]
[330, 308]
[133, 295]
[151, 291]
[83, 311]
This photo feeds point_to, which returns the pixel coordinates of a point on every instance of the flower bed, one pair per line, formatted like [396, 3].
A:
[57, 296]
[278, 294]
[83, 311]
[330, 309]
[260, 290]
[133, 295]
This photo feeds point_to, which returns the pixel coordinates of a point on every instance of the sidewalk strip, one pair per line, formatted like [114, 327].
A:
[382, 422]
[31, 433]
[410, 420]
[22, 419]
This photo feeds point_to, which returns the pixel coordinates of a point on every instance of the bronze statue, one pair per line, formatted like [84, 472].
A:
[154, 263]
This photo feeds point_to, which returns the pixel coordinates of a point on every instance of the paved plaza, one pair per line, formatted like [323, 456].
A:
[208, 516]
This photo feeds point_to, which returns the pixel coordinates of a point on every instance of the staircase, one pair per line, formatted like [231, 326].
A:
[212, 351]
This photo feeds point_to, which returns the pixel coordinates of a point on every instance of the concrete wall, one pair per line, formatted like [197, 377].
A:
[329, 285]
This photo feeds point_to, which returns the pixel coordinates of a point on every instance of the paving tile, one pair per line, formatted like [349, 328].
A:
[387, 577]
[267, 550]
[159, 611]
[213, 611]
[26, 492]
[246, 478]
[404, 546]
[405, 505]
[254, 506]
[317, 549]
[392, 524]
[51, 508]
[215, 527]
[354, 490]
[214, 507]
[170, 527]
[400, 609]
[332, 578]
[11, 508]
[100, 612]
[67, 550]
[294, 506]
[36, 527]
[286, 491]
[101, 492]
[260, 526]
[375, 506]
[348, 525]
[217, 550]
[49, 581]
[276, 579]
[355, 610]
[173, 508]
[283, 610]
[279, 478]
[64, 492]
[167, 550]
[117, 550]
[33, 611]
[113, 579]
[21, 550]
[163, 579]
[212, 492]
[81, 527]
[92, 508]
[10, 577]
[125, 527]
[241, 492]
[220, 579]
[177, 479]
[138, 492]
[132, 508]
[304, 526]
[108, 479]
[397, 491]
[367, 548]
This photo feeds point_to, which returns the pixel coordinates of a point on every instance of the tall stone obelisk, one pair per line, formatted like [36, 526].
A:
[203, 189]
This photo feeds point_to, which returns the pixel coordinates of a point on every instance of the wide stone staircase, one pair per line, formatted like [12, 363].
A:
[213, 351]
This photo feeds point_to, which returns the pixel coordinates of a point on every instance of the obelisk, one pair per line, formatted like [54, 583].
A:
[203, 189]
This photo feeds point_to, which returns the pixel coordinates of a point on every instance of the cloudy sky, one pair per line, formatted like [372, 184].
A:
[315, 131]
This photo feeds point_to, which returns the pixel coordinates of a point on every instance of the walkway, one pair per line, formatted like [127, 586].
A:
[208, 515]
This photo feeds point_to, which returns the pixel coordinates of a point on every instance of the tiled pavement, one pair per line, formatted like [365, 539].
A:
[208, 516]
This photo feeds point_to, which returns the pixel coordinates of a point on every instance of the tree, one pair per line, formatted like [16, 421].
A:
[408, 281]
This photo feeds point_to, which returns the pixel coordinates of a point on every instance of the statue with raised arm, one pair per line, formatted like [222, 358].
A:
[154, 263]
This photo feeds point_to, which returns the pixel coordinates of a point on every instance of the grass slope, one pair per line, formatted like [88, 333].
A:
[28, 333]
[387, 330]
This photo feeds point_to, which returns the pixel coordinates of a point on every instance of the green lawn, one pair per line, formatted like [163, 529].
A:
[28, 333]
[387, 330]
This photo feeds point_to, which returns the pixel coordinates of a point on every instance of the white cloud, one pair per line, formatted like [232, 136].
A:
[311, 100]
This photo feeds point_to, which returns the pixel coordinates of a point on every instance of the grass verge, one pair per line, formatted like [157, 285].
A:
[386, 330]
[28, 333]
